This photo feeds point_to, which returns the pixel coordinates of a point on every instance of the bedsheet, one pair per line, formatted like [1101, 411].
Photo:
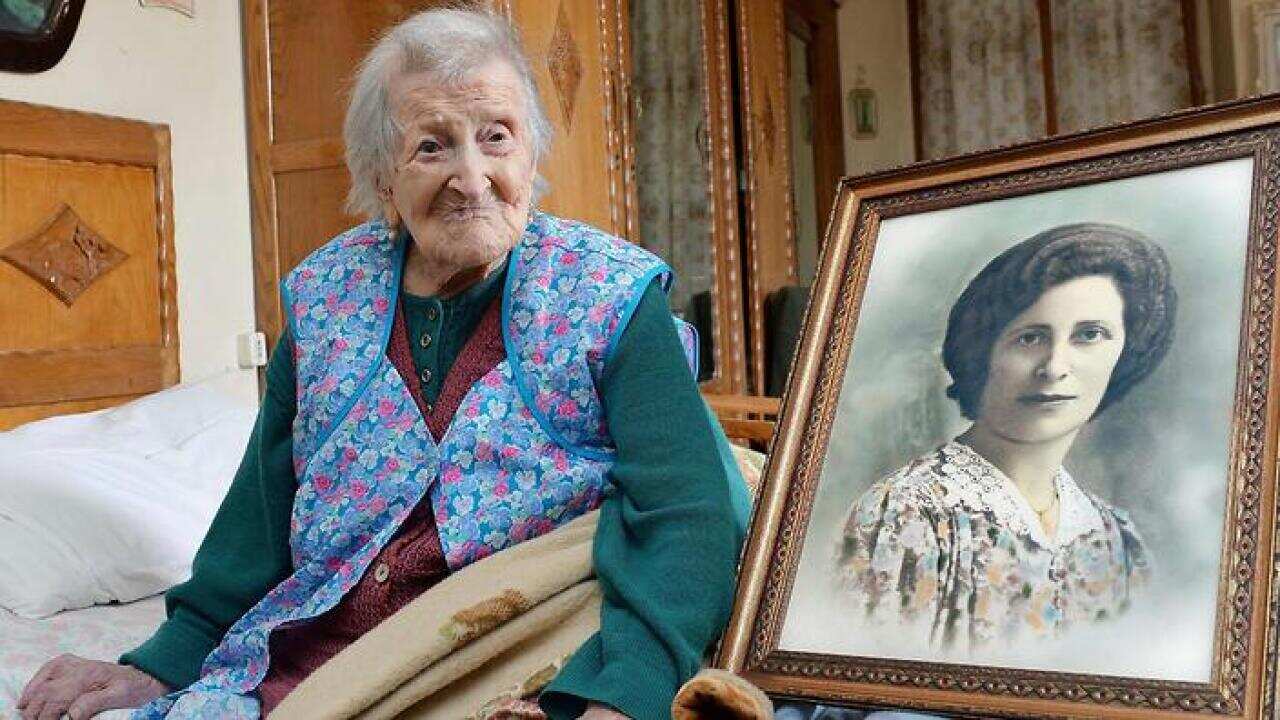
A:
[101, 632]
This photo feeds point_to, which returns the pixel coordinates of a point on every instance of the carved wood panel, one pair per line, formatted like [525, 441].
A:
[575, 47]
[314, 46]
[322, 191]
[770, 242]
[730, 324]
[117, 310]
[299, 55]
[65, 256]
[88, 299]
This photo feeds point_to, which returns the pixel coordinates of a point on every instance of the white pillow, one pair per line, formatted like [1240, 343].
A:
[111, 505]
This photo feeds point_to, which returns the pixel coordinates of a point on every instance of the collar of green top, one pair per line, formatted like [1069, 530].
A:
[481, 293]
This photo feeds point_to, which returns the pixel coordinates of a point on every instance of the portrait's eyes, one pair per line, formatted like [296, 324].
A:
[1030, 338]
[1091, 333]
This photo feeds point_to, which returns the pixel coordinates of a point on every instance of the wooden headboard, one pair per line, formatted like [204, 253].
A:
[88, 295]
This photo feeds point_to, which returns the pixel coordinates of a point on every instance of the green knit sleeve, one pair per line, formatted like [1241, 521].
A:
[246, 550]
[667, 543]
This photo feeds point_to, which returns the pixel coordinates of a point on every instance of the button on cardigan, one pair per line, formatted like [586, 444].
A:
[669, 518]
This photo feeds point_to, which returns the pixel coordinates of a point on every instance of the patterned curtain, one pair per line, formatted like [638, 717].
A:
[671, 143]
[981, 80]
[1118, 61]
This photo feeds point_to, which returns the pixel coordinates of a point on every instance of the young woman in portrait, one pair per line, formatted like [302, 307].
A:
[988, 539]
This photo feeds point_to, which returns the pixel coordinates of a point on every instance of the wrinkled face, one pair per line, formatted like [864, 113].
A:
[1051, 365]
[464, 172]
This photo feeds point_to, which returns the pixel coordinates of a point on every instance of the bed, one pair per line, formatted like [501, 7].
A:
[110, 471]
[91, 415]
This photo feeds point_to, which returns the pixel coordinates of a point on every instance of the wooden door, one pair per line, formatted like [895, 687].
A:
[814, 21]
[299, 56]
[730, 334]
[576, 48]
[766, 163]
[682, 169]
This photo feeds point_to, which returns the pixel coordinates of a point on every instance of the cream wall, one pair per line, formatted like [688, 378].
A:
[874, 37]
[160, 66]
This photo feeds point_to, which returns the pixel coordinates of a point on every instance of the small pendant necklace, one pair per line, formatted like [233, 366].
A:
[1046, 515]
[1053, 501]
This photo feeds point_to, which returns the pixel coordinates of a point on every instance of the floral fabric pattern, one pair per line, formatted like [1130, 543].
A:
[503, 479]
[504, 471]
[365, 480]
[1122, 61]
[981, 77]
[948, 548]
[600, 279]
[341, 304]
[982, 68]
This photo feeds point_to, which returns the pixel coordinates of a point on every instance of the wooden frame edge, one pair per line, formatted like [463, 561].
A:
[171, 373]
[917, 98]
[752, 20]
[782, 454]
[728, 308]
[262, 196]
[77, 135]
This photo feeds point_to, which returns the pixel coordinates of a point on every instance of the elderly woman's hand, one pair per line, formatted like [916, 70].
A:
[596, 711]
[79, 689]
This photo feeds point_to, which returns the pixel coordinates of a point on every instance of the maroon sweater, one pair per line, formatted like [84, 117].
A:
[412, 560]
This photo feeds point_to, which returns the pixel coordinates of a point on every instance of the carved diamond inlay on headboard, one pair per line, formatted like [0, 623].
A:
[565, 64]
[65, 257]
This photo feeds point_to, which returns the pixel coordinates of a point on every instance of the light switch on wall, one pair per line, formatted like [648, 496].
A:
[251, 349]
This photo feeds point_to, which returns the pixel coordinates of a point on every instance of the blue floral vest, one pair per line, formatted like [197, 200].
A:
[528, 449]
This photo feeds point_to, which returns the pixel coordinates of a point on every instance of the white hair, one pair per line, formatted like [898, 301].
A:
[448, 45]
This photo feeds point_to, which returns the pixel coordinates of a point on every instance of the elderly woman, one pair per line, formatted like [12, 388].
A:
[989, 539]
[460, 374]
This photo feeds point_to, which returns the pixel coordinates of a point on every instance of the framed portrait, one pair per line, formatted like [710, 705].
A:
[862, 107]
[1026, 460]
[35, 34]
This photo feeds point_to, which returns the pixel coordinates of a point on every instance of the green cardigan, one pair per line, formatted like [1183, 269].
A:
[666, 546]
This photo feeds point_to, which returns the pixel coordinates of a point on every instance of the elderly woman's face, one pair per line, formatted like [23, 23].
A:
[1051, 365]
[464, 172]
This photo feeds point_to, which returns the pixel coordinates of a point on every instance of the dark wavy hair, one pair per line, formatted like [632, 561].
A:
[1018, 277]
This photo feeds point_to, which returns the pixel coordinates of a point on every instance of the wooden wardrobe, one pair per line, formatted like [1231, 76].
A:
[300, 54]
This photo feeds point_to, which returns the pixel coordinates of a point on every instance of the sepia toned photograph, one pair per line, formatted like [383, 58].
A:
[1018, 466]
[1028, 462]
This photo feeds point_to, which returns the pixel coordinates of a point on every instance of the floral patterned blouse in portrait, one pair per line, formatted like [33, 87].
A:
[948, 547]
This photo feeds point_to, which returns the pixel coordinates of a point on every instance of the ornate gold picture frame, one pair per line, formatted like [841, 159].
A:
[1115, 288]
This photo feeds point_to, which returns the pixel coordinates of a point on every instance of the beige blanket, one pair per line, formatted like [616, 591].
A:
[492, 633]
